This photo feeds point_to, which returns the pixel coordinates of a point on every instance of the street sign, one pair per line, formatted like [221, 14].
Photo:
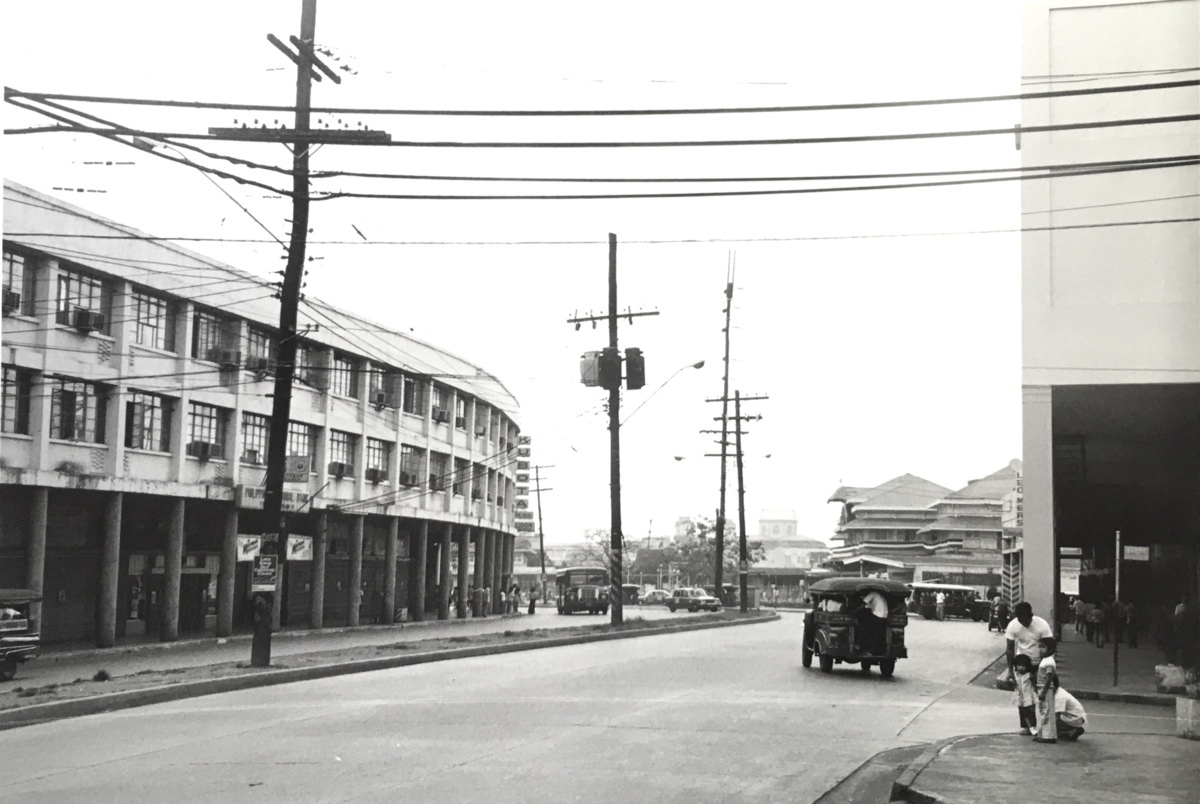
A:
[263, 573]
[1070, 551]
[1134, 552]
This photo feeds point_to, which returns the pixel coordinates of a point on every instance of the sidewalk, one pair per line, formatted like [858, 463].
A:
[1098, 769]
[1087, 671]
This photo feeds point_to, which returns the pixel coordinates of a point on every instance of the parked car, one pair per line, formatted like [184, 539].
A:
[692, 600]
[655, 597]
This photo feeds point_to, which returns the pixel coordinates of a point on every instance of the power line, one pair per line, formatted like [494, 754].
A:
[45, 96]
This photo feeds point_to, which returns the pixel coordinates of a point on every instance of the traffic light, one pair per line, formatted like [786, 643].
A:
[610, 368]
[635, 368]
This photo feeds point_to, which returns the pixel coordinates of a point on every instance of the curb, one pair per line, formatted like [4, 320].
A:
[1146, 699]
[111, 702]
[902, 788]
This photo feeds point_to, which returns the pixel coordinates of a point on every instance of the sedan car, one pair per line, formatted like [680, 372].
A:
[692, 600]
[655, 597]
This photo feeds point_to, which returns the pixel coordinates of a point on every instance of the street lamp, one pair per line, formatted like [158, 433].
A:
[700, 364]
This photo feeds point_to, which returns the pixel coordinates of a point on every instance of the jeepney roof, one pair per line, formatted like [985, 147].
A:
[843, 586]
[19, 596]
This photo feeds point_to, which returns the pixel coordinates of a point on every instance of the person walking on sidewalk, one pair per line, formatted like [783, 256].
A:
[1131, 623]
[940, 600]
[1098, 619]
[1023, 694]
[1069, 718]
[1089, 624]
[1023, 633]
[1046, 688]
[1080, 608]
[1118, 621]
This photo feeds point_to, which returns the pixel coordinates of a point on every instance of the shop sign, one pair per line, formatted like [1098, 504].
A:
[248, 547]
[524, 527]
[263, 573]
[299, 548]
[1134, 552]
[523, 514]
[254, 497]
[1068, 581]
[296, 469]
[1070, 551]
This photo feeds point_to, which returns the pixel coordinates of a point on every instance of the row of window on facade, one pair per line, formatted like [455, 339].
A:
[79, 411]
[84, 302]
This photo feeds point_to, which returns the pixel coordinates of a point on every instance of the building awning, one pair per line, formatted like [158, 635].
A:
[885, 562]
[974, 524]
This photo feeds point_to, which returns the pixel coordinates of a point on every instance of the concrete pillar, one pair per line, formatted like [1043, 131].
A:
[489, 569]
[227, 572]
[497, 570]
[316, 612]
[464, 541]
[507, 564]
[389, 571]
[444, 573]
[422, 561]
[356, 553]
[168, 629]
[110, 565]
[1040, 560]
[35, 552]
[477, 602]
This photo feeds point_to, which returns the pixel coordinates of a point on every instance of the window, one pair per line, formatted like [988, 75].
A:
[78, 291]
[344, 379]
[462, 476]
[148, 422]
[260, 350]
[18, 387]
[379, 454]
[460, 412]
[19, 278]
[77, 411]
[438, 470]
[375, 382]
[256, 438]
[414, 396]
[206, 425]
[307, 369]
[410, 465]
[154, 322]
[342, 447]
[438, 399]
[301, 439]
[208, 333]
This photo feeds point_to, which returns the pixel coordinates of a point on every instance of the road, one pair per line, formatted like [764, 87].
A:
[717, 715]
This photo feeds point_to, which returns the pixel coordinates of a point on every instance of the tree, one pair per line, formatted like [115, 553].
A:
[697, 560]
[596, 550]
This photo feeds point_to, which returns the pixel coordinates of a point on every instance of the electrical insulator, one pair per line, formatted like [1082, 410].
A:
[610, 369]
[635, 368]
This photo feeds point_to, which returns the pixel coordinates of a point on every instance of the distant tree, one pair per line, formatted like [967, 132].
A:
[596, 550]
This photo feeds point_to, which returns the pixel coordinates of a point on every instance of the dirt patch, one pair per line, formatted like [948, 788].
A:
[103, 684]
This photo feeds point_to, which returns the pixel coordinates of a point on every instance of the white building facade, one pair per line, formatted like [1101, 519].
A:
[137, 380]
[1110, 305]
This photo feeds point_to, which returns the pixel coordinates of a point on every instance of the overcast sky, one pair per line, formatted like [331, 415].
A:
[882, 325]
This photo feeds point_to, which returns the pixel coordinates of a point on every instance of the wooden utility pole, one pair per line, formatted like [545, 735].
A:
[537, 479]
[743, 559]
[260, 651]
[718, 571]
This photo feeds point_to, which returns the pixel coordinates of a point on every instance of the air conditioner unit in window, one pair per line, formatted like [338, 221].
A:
[228, 358]
[202, 450]
[481, 430]
[436, 483]
[86, 320]
[339, 469]
[382, 399]
[460, 422]
[441, 416]
[376, 475]
[251, 456]
[408, 479]
[12, 301]
[260, 365]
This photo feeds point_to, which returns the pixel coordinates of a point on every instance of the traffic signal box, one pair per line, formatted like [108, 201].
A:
[603, 369]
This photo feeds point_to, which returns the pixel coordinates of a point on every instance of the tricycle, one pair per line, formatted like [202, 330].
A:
[859, 620]
[19, 637]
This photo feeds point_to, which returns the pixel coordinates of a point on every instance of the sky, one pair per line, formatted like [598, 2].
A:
[883, 326]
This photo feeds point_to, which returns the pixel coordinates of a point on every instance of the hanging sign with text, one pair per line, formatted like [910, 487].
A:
[264, 573]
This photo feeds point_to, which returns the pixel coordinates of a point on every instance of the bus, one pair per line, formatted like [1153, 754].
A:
[582, 589]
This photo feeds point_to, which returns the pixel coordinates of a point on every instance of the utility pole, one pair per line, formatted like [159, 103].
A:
[604, 369]
[541, 534]
[718, 571]
[743, 560]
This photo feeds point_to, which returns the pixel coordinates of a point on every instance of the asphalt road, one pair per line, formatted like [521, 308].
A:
[717, 715]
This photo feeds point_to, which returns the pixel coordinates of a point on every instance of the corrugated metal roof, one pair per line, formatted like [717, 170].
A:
[169, 268]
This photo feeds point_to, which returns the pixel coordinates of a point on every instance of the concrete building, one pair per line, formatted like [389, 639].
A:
[1110, 307]
[788, 557]
[137, 381]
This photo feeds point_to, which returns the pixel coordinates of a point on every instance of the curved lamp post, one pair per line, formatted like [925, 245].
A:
[697, 365]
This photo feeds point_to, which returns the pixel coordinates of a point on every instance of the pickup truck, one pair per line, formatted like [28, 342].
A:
[692, 600]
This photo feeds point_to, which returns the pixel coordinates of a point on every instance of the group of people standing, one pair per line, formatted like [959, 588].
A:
[1044, 708]
[1106, 620]
[510, 598]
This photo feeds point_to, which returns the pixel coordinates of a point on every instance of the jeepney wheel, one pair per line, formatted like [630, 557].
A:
[805, 655]
[887, 667]
[866, 666]
[672, 607]
[825, 660]
[8, 669]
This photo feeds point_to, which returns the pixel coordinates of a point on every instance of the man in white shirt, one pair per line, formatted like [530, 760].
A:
[1070, 719]
[1024, 633]
[940, 601]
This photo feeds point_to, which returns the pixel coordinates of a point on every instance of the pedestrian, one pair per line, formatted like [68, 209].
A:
[1089, 624]
[1131, 623]
[514, 599]
[1118, 621]
[1080, 614]
[1096, 618]
[1069, 717]
[1046, 687]
[503, 601]
[1023, 634]
[940, 600]
[487, 600]
[1023, 694]
[533, 596]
